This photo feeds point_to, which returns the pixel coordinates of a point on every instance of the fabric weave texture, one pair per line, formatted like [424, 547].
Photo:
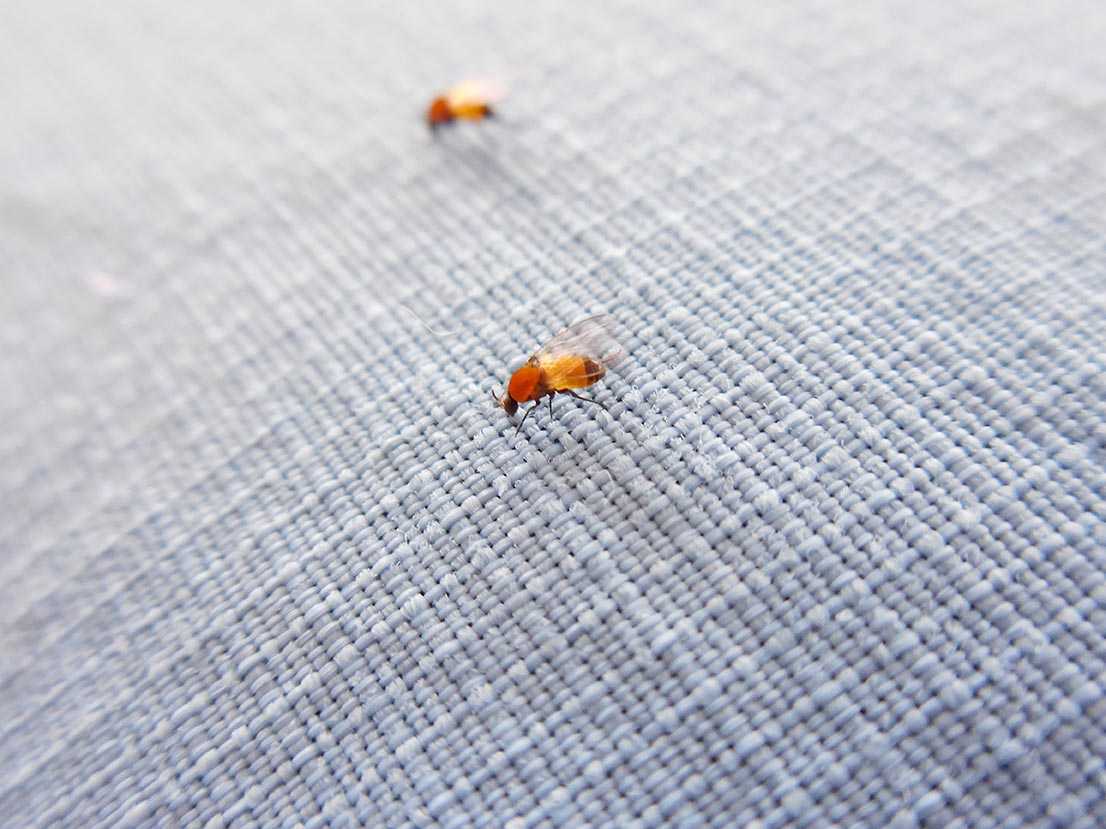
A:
[271, 556]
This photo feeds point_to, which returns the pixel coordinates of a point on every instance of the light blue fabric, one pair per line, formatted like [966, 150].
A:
[270, 556]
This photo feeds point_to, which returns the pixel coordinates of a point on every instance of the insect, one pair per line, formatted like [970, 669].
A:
[469, 101]
[576, 358]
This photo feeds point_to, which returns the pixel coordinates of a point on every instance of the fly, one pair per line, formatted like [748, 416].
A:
[577, 357]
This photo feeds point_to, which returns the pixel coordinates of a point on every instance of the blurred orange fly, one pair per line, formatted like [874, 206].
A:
[468, 101]
[574, 359]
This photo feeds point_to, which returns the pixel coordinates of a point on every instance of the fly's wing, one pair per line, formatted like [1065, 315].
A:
[475, 93]
[591, 337]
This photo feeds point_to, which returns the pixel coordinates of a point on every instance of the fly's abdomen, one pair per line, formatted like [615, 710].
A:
[571, 372]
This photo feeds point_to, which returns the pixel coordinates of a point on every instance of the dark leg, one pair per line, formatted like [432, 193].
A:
[551, 406]
[586, 400]
[529, 412]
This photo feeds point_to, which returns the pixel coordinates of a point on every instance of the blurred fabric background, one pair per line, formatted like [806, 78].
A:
[270, 556]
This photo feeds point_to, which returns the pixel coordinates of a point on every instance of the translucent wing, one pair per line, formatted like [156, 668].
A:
[591, 337]
[475, 92]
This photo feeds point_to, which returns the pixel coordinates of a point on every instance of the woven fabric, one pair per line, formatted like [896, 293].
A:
[270, 556]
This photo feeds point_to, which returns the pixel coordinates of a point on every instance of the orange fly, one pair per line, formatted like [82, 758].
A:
[468, 101]
[574, 359]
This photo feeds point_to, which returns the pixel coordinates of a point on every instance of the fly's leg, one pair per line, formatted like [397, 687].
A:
[551, 407]
[529, 412]
[587, 400]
